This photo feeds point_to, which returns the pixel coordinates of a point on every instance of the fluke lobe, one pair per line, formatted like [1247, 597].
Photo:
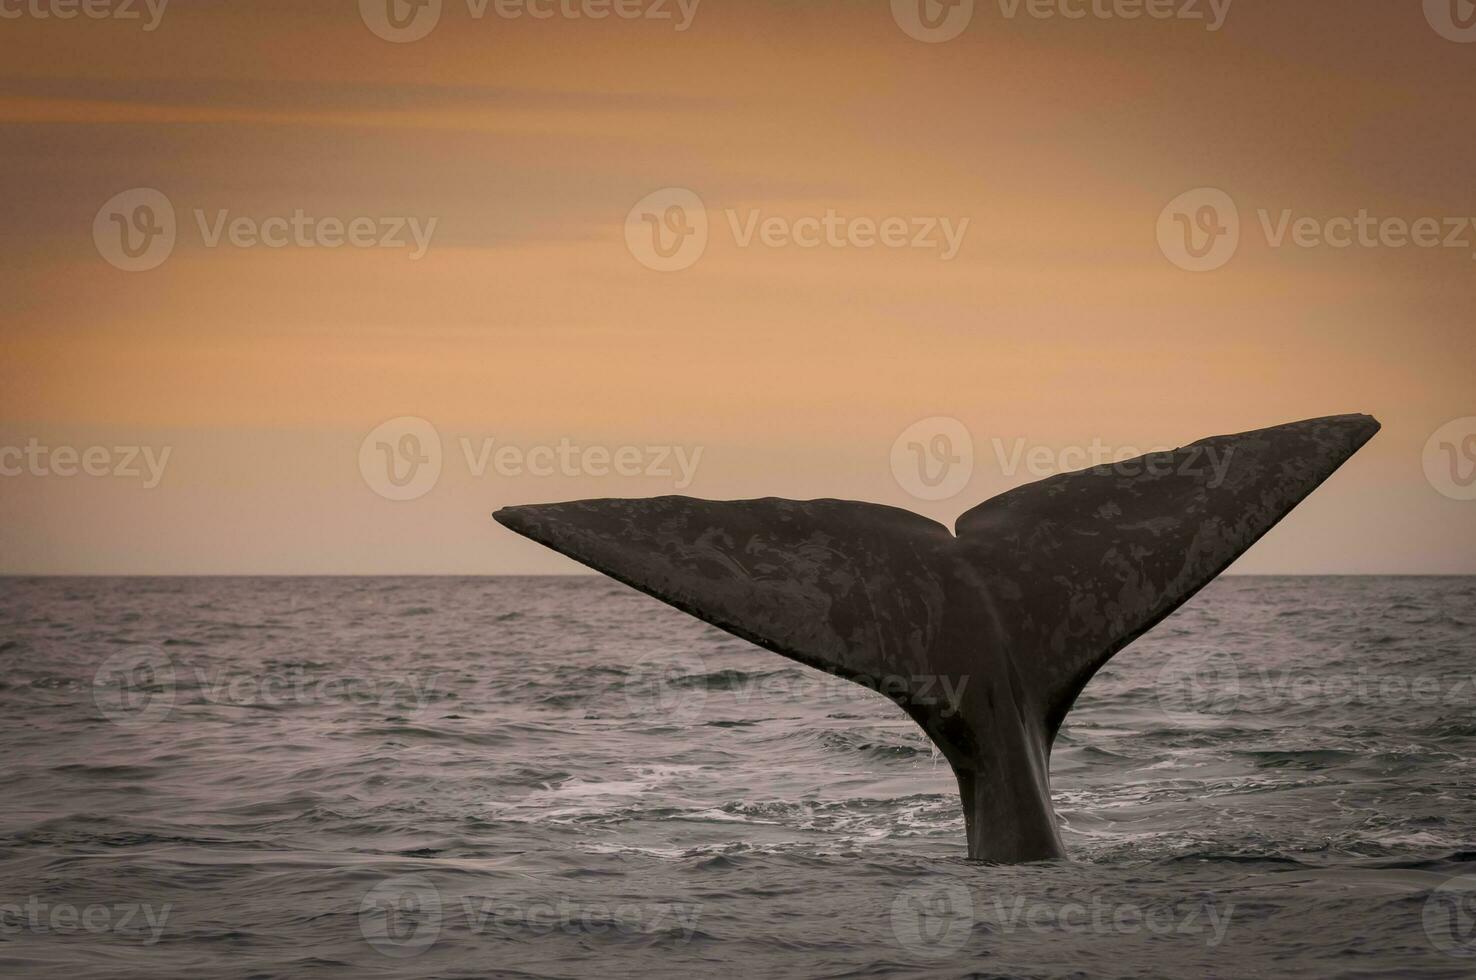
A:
[1039, 587]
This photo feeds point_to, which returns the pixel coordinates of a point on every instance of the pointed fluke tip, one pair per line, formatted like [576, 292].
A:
[514, 517]
[531, 520]
[1359, 423]
[1366, 426]
[1357, 427]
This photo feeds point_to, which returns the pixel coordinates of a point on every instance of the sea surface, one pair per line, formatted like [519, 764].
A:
[560, 777]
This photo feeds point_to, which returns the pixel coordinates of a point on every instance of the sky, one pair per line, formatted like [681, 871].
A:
[314, 287]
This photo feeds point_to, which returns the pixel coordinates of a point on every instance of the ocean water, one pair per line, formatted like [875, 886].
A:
[560, 777]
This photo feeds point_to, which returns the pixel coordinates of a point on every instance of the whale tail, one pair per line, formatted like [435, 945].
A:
[1014, 614]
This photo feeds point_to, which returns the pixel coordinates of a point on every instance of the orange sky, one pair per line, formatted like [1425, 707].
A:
[528, 320]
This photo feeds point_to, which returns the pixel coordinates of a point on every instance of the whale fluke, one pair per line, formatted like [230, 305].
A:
[1012, 616]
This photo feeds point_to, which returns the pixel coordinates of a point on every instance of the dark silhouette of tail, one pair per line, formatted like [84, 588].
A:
[1012, 617]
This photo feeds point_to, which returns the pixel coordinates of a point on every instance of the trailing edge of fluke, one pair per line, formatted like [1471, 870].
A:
[1039, 587]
